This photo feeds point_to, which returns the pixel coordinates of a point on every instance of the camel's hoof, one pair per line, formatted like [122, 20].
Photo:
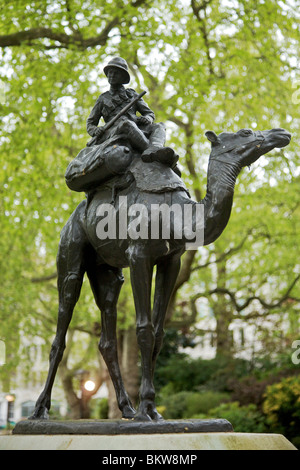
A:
[142, 417]
[147, 412]
[128, 412]
[40, 412]
[156, 416]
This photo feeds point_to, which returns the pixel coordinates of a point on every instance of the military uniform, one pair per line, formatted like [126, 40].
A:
[149, 138]
[109, 104]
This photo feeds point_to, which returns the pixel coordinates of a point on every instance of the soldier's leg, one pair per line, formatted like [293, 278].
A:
[152, 149]
[133, 134]
[156, 150]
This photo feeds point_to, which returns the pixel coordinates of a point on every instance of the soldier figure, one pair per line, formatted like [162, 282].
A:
[140, 131]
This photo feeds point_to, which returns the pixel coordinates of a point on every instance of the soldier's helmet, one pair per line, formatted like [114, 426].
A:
[120, 64]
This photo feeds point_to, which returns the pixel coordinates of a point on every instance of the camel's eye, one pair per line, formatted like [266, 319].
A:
[245, 132]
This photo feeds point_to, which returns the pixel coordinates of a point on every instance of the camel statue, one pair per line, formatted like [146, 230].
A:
[82, 251]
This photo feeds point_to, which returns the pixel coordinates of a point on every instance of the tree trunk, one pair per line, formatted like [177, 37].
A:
[223, 314]
[224, 343]
[79, 405]
[71, 397]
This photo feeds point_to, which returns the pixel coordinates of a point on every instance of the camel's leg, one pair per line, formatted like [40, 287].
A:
[167, 272]
[141, 270]
[70, 270]
[106, 283]
[166, 275]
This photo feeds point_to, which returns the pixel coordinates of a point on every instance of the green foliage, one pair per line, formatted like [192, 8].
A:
[263, 400]
[251, 388]
[99, 408]
[206, 65]
[190, 404]
[186, 373]
[245, 418]
[282, 406]
[169, 355]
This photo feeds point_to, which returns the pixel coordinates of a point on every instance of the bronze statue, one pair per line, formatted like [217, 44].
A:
[140, 131]
[141, 184]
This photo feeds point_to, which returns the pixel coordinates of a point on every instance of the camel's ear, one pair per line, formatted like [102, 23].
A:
[212, 137]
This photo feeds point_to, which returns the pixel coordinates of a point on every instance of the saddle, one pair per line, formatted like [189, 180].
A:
[117, 165]
[155, 177]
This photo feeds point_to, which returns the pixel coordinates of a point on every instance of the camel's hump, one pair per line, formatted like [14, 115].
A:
[155, 177]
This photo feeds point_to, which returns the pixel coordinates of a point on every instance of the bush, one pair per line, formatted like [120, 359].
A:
[194, 374]
[99, 408]
[252, 388]
[248, 390]
[282, 407]
[189, 404]
[243, 418]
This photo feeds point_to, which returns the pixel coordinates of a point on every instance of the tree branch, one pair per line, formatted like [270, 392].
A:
[64, 40]
[264, 303]
[186, 320]
[44, 278]
[202, 25]
[232, 250]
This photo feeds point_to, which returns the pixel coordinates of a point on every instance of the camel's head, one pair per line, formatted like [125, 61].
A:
[246, 146]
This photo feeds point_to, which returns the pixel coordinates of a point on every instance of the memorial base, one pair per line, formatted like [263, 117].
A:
[127, 435]
[123, 426]
[176, 443]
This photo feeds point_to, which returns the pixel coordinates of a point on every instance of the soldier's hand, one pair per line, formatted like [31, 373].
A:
[99, 131]
[145, 120]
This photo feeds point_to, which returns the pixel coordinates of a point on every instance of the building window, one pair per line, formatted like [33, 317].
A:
[10, 410]
[27, 408]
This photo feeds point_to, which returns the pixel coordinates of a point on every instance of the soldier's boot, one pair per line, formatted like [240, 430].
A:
[153, 148]
[156, 150]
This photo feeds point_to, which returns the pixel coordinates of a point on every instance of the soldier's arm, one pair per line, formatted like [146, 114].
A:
[94, 118]
[145, 111]
[142, 107]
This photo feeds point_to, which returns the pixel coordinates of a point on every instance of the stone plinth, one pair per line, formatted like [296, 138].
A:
[189, 435]
[177, 443]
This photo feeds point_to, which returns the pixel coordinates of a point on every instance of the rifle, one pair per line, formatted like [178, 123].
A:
[109, 124]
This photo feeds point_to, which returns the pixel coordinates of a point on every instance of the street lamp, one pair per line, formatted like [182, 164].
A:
[10, 399]
[89, 385]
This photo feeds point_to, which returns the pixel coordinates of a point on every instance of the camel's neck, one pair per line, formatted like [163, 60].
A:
[221, 178]
[222, 173]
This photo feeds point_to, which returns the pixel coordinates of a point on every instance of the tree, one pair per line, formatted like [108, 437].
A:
[257, 277]
[207, 64]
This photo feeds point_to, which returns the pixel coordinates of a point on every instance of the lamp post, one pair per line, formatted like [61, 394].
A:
[87, 388]
[10, 400]
[89, 385]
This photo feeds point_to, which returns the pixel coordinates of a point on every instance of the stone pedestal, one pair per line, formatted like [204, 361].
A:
[178, 444]
[182, 437]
